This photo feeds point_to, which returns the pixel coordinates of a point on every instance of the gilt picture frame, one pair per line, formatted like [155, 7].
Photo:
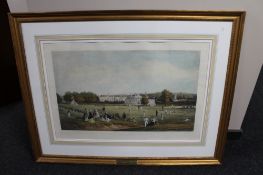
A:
[128, 87]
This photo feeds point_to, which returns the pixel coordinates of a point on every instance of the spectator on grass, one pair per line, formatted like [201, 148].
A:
[90, 115]
[162, 116]
[146, 122]
[69, 113]
[124, 115]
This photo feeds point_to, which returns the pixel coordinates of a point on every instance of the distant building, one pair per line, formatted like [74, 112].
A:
[175, 97]
[151, 102]
[112, 98]
[73, 102]
[134, 99]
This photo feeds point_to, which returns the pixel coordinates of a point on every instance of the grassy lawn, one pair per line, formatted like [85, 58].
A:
[168, 117]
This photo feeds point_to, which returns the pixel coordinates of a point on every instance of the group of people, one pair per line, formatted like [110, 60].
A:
[150, 121]
[103, 115]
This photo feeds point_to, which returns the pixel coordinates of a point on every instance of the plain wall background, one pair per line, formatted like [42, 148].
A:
[251, 57]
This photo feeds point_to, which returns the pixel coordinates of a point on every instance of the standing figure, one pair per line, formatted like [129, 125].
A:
[84, 116]
[124, 116]
[146, 121]
[162, 115]
[154, 121]
[69, 113]
[90, 115]
[156, 113]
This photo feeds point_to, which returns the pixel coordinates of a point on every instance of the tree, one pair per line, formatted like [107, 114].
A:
[83, 97]
[59, 99]
[89, 97]
[79, 98]
[68, 96]
[166, 97]
[144, 100]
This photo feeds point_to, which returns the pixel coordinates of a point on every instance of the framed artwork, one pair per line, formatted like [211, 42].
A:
[128, 87]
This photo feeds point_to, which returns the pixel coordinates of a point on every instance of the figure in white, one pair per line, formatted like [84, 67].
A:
[69, 113]
[187, 120]
[146, 122]
[154, 120]
[97, 115]
[107, 120]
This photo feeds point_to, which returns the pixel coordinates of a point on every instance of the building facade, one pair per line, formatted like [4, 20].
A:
[112, 98]
[134, 99]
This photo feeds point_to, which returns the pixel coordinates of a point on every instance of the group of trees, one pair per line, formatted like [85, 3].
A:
[144, 100]
[82, 97]
[166, 97]
[186, 96]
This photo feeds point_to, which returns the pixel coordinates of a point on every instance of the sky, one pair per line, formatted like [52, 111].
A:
[126, 72]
